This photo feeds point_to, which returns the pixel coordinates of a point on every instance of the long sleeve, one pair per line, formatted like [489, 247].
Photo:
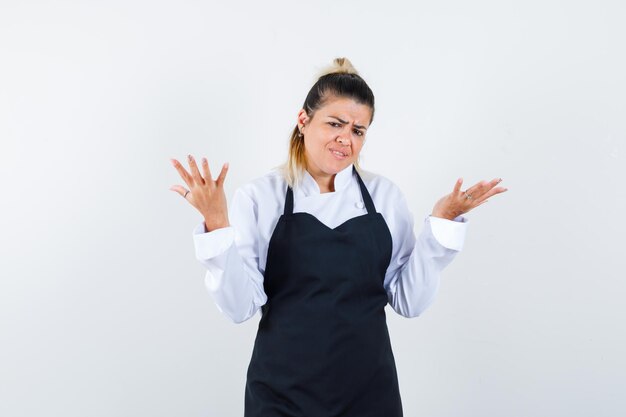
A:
[412, 279]
[230, 255]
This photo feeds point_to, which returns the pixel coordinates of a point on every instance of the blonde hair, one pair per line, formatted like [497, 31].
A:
[340, 79]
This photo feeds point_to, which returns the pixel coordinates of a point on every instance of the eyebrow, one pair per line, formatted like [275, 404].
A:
[343, 121]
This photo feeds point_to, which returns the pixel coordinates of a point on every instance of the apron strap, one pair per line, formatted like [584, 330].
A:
[288, 201]
[367, 199]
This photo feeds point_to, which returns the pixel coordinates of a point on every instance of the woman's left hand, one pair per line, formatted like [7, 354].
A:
[457, 202]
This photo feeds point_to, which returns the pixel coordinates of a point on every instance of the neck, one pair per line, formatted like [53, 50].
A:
[325, 182]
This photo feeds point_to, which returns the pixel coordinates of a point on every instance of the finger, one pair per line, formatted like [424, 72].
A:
[457, 186]
[493, 183]
[477, 189]
[195, 173]
[183, 172]
[482, 190]
[179, 189]
[222, 177]
[490, 193]
[206, 170]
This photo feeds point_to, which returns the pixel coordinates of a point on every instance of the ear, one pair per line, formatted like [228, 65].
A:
[303, 118]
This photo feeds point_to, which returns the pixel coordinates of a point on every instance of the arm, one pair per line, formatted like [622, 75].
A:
[230, 255]
[412, 279]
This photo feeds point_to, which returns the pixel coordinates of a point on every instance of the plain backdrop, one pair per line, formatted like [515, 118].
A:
[103, 309]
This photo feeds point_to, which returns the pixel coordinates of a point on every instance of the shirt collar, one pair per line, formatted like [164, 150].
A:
[310, 187]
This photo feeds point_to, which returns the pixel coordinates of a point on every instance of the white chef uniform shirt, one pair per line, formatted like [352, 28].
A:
[235, 256]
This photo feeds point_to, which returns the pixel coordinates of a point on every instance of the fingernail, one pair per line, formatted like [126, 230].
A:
[189, 157]
[204, 160]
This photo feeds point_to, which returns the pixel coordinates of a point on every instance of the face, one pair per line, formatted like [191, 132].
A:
[338, 126]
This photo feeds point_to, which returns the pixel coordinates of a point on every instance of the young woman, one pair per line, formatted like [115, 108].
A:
[319, 247]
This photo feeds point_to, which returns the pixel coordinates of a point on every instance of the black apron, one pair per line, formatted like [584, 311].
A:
[322, 348]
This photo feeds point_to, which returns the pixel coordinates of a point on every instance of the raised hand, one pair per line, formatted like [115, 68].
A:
[459, 202]
[205, 194]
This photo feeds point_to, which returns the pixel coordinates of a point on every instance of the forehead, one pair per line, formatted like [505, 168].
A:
[347, 109]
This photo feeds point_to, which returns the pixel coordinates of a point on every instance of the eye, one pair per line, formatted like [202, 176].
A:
[357, 131]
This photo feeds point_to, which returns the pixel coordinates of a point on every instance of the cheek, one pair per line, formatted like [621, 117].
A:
[313, 145]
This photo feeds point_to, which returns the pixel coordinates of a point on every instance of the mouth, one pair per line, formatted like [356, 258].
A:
[338, 154]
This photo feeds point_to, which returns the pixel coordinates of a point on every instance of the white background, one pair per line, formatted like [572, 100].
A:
[103, 310]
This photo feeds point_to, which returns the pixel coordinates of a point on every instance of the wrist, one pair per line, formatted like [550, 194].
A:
[210, 225]
[443, 216]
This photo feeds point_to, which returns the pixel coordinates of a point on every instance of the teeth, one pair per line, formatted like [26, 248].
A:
[339, 153]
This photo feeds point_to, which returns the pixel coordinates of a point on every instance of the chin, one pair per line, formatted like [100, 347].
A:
[340, 169]
[337, 166]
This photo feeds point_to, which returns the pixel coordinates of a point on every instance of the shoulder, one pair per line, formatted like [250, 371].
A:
[391, 202]
[263, 186]
[380, 186]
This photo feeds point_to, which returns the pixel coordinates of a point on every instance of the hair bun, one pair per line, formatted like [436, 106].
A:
[340, 65]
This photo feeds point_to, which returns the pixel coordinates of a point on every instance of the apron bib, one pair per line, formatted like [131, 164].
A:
[322, 348]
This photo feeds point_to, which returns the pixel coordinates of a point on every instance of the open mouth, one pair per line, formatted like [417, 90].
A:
[338, 154]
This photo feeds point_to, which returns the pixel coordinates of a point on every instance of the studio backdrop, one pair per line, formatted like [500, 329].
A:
[103, 307]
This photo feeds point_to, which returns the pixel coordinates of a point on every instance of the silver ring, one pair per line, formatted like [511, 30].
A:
[467, 196]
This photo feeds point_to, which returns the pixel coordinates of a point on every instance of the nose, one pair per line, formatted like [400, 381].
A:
[342, 139]
[343, 136]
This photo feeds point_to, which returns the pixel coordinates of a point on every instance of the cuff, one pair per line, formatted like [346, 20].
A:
[449, 233]
[211, 244]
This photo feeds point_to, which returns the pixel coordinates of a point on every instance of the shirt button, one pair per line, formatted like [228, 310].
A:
[360, 204]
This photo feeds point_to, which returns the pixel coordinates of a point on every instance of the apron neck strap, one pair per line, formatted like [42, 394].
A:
[367, 199]
[288, 201]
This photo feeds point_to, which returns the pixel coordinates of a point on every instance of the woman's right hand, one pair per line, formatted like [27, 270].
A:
[206, 195]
